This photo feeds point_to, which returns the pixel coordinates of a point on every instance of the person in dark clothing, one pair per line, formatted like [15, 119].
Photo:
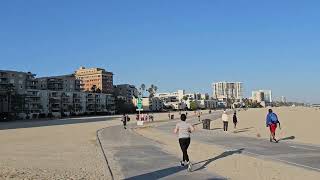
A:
[235, 120]
[124, 121]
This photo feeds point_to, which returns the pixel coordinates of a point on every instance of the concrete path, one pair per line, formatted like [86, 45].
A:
[141, 158]
[297, 154]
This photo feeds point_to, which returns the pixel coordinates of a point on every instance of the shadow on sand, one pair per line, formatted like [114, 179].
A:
[221, 156]
[56, 122]
[288, 138]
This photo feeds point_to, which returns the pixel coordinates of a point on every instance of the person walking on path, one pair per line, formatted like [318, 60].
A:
[124, 120]
[184, 129]
[272, 122]
[235, 120]
[225, 120]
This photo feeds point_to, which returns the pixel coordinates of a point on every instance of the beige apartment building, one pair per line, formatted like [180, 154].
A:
[228, 90]
[98, 77]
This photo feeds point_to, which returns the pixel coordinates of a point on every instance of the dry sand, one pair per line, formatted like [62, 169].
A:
[237, 166]
[56, 152]
[53, 152]
[299, 122]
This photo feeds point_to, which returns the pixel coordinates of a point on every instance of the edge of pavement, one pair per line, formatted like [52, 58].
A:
[109, 171]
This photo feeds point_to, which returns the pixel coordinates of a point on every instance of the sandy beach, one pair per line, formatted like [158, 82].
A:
[71, 151]
[299, 124]
[56, 149]
[53, 152]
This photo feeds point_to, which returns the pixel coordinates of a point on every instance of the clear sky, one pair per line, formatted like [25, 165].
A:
[175, 44]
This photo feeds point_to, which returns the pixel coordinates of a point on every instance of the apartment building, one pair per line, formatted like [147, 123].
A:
[20, 81]
[60, 103]
[97, 77]
[13, 85]
[181, 100]
[152, 104]
[224, 91]
[126, 92]
[28, 97]
[66, 83]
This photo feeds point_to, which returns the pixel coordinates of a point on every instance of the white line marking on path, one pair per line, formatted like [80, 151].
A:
[299, 147]
[284, 161]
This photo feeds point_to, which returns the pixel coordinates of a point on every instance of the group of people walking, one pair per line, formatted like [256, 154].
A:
[225, 120]
[184, 129]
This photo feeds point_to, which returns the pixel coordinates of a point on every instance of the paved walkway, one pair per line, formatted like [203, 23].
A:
[141, 158]
[297, 154]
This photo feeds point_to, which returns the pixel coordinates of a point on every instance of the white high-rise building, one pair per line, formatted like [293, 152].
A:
[267, 96]
[283, 99]
[228, 90]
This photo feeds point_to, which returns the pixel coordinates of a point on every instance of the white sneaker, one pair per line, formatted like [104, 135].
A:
[182, 163]
[189, 166]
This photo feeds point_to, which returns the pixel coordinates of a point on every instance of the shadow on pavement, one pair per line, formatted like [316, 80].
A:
[221, 156]
[214, 129]
[163, 174]
[158, 174]
[242, 130]
[56, 122]
[288, 138]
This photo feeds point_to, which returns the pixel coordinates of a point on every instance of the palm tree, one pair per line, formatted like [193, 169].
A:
[155, 88]
[142, 89]
[152, 90]
[94, 88]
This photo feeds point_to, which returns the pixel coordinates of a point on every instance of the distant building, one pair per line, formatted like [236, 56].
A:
[262, 95]
[153, 104]
[28, 97]
[171, 97]
[126, 91]
[20, 81]
[59, 103]
[181, 100]
[13, 85]
[228, 90]
[66, 83]
[283, 99]
[98, 77]
[199, 96]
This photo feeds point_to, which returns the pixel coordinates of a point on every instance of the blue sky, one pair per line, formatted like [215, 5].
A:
[175, 44]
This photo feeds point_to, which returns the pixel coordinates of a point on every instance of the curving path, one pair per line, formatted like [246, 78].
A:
[132, 156]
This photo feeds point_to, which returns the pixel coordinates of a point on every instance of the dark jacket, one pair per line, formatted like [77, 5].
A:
[235, 119]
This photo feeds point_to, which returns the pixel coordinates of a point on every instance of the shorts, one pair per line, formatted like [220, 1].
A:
[273, 128]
